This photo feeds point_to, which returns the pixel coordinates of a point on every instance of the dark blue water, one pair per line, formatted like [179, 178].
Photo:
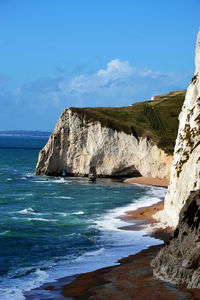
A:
[52, 227]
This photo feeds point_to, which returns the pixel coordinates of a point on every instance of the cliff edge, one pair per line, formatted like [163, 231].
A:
[126, 141]
[185, 170]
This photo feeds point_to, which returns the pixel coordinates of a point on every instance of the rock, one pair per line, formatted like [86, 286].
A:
[77, 144]
[92, 174]
[179, 260]
[185, 170]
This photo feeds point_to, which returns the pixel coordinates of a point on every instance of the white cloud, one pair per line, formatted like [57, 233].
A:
[119, 83]
[116, 69]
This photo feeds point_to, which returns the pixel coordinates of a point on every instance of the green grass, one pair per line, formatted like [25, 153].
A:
[157, 119]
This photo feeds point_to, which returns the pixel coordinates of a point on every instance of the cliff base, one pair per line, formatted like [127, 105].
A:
[179, 259]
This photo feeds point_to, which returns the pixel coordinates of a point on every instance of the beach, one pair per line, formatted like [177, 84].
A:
[148, 181]
[132, 278]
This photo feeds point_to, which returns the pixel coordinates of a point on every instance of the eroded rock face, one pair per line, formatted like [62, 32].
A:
[185, 171]
[77, 146]
[179, 260]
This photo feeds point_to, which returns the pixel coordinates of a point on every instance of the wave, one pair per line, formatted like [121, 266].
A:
[111, 220]
[64, 197]
[113, 244]
[5, 232]
[30, 211]
[36, 219]
[61, 214]
[27, 211]
[15, 288]
[78, 213]
[29, 174]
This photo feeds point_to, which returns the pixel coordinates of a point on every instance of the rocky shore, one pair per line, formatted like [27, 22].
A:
[179, 260]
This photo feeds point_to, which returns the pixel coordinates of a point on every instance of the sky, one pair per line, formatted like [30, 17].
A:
[55, 54]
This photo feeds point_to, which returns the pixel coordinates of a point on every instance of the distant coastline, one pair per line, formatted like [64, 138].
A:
[33, 133]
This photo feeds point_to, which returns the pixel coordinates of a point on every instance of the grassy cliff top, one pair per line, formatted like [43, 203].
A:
[156, 119]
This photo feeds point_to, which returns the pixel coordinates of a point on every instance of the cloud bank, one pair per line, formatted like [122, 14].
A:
[117, 84]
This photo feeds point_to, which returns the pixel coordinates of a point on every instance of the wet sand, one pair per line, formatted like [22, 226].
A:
[148, 181]
[132, 279]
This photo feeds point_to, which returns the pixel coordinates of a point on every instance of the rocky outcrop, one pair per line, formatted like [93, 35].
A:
[179, 260]
[185, 171]
[79, 146]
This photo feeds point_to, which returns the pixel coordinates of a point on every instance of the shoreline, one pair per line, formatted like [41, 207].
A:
[148, 181]
[96, 284]
[133, 277]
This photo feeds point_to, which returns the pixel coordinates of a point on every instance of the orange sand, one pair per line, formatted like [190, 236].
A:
[148, 181]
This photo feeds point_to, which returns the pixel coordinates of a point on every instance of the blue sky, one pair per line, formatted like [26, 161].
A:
[60, 53]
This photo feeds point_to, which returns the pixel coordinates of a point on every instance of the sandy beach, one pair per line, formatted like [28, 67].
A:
[148, 181]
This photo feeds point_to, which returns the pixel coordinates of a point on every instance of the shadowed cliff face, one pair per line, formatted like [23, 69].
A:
[179, 260]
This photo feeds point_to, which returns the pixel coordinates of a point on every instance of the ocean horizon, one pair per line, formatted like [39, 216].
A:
[53, 227]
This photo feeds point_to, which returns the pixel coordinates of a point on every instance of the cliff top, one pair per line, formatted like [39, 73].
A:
[156, 119]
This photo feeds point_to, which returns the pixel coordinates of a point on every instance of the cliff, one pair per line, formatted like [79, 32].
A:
[185, 171]
[178, 261]
[127, 141]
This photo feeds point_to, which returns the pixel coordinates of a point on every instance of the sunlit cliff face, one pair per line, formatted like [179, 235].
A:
[185, 170]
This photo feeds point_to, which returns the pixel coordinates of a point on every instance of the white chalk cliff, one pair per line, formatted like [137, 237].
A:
[77, 146]
[185, 170]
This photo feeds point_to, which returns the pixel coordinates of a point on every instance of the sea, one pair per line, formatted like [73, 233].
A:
[53, 227]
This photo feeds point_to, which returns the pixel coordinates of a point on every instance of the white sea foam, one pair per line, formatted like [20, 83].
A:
[35, 219]
[64, 197]
[78, 213]
[29, 174]
[4, 232]
[50, 180]
[42, 181]
[67, 214]
[110, 220]
[27, 211]
[41, 219]
[61, 214]
[14, 288]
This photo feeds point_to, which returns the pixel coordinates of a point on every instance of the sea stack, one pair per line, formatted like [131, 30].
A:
[185, 170]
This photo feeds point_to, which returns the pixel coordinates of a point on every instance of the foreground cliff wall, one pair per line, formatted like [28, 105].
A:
[185, 171]
[179, 260]
[78, 145]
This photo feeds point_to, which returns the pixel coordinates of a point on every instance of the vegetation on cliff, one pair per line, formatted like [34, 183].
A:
[156, 119]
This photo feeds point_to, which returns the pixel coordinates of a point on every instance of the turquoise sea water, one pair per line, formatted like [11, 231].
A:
[53, 227]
